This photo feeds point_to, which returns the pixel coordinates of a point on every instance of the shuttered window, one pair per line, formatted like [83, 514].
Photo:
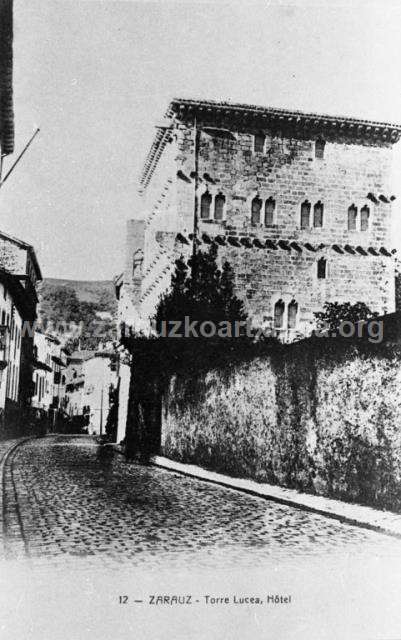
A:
[321, 268]
[365, 212]
[270, 206]
[255, 211]
[259, 142]
[292, 314]
[279, 314]
[318, 215]
[219, 203]
[206, 201]
[352, 215]
[305, 214]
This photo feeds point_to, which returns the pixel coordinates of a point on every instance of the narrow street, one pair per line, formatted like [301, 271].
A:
[65, 497]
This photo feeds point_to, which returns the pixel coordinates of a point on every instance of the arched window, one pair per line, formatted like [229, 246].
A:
[352, 215]
[321, 268]
[365, 212]
[318, 215]
[270, 206]
[319, 148]
[259, 142]
[255, 210]
[279, 314]
[219, 203]
[206, 201]
[305, 214]
[292, 314]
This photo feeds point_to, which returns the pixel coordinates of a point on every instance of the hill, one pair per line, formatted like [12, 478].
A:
[91, 305]
[86, 290]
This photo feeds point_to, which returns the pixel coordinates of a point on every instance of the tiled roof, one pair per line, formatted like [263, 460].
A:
[180, 105]
[6, 78]
[23, 245]
[184, 108]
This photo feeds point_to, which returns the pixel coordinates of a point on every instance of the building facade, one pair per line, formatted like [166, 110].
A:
[21, 272]
[90, 375]
[299, 204]
[49, 379]
[11, 314]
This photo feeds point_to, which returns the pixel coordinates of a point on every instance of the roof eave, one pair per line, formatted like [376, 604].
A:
[181, 108]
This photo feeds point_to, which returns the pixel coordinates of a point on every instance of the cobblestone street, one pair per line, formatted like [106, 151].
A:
[65, 497]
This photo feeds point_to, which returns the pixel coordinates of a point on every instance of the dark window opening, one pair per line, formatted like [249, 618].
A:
[270, 206]
[365, 212]
[305, 214]
[255, 211]
[318, 215]
[279, 314]
[219, 203]
[319, 148]
[292, 314]
[352, 215]
[259, 142]
[321, 268]
[206, 201]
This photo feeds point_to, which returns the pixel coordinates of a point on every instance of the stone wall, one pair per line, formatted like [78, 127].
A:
[318, 418]
[289, 172]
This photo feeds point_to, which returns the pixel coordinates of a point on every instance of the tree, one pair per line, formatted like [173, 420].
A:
[75, 320]
[336, 313]
[201, 292]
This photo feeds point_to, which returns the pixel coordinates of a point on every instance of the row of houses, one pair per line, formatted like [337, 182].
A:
[300, 204]
[44, 387]
[19, 274]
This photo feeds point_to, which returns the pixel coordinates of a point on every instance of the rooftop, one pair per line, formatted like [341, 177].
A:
[23, 245]
[181, 109]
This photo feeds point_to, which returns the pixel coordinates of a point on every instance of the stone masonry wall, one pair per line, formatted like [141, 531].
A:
[325, 423]
[288, 171]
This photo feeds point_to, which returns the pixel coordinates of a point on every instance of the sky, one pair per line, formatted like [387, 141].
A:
[96, 76]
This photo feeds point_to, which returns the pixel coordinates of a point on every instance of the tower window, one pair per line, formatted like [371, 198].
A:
[292, 314]
[270, 206]
[206, 201]
[352, 215]
[305, 214]
[219, 203]
[259, 142]
[279, 314]
[321, 268]
[255, 210]
[365, 212]
[318, 215]
[319, 148]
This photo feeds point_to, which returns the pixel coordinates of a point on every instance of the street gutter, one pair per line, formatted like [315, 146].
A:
[7, 448]
[366, 517]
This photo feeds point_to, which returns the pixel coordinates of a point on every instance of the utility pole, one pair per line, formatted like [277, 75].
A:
[196, 198]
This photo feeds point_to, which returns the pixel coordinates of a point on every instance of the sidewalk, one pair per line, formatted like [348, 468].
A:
[367, 517]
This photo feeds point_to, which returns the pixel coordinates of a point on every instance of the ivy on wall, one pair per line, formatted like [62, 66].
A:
[320, 416]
